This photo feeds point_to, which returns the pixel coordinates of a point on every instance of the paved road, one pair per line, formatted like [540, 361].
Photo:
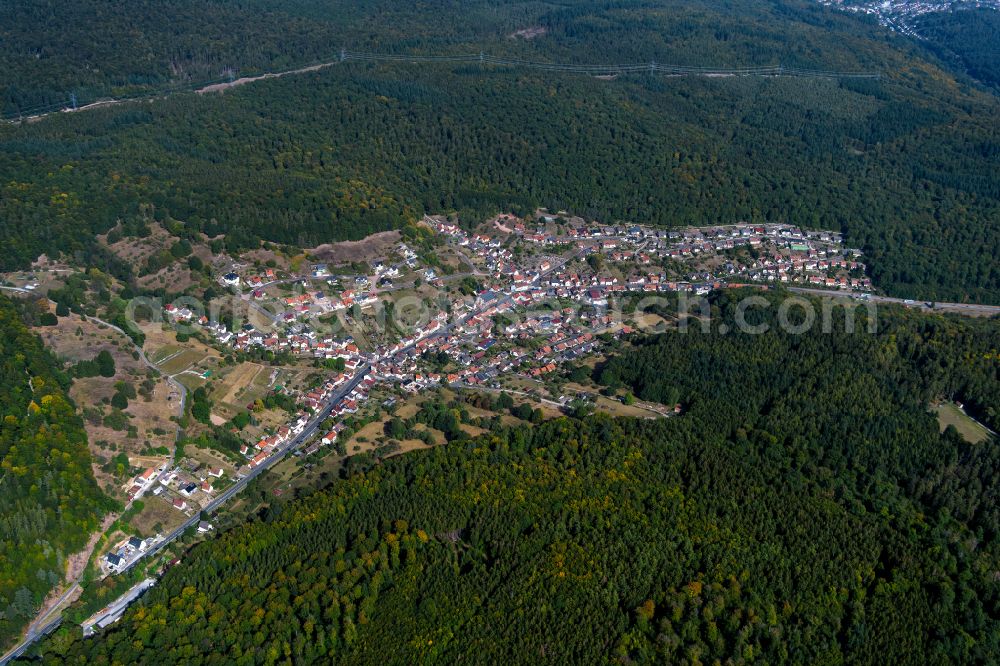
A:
[23, 646]
[280, 453]
[41, 626]
[114, 610]
[310, 429]
[271, 460]
[964, 308]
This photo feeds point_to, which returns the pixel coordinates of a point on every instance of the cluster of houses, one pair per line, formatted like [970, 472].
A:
[232, 279]
[144, 481]
[784, 253]
[297, 339]
[388, 364]
[125, 551]
[315, 400]
[481, 340]
[176, 485]
[794, 254]
[806, 268]
[472, 345]
[182, 484]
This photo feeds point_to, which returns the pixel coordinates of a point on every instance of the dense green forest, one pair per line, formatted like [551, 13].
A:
[95, 48]
[49, 500]
[804, 509]
[906, 165]
[966, 39]
[928, 357]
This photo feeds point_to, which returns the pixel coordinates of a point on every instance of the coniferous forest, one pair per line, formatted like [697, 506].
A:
[906, 165]
[49, 500]
[803, 509]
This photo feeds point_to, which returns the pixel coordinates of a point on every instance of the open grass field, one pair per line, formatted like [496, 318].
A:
[181, 360]
[190, 380]
[213, 458]
[612, 406]
[236, 385]
[164, 353]
[157, 516]
[948, 413]
[161, 344]
[74, 339]
[651, 323]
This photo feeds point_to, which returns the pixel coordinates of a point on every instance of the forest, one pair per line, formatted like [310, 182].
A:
[49, 500]
[905, 165]
[805, 508]
[967, 39]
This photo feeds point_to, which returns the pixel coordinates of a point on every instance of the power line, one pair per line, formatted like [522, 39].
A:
[481, 58]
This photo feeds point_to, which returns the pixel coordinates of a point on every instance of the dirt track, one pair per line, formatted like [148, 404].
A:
[222, 87]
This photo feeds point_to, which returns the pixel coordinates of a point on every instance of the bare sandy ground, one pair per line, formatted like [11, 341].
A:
[222, 87]
[371, 247]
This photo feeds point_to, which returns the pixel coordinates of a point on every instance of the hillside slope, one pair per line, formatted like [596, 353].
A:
[906, 165]
[808, 511]
[967, 40]
[49, 500]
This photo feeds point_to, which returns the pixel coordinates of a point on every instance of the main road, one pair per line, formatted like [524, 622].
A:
[971, 309]
[37, 632]
[278, 454]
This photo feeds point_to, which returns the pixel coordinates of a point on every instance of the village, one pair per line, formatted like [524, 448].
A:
[497, 308]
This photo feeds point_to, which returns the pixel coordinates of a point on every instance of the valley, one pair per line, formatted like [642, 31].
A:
[362, 331]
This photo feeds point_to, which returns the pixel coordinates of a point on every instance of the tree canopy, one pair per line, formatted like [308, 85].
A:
[905, 165]
[805, 508]
[49, 500]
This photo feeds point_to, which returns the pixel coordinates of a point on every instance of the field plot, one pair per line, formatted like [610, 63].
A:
[213, 458]
[239, 386]
[158, 516]
[241, 381]
[161, 346]
[147, 424]
[178, 360]
[164, 354]
[948, 413]
[234, 388]
[652, 323]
